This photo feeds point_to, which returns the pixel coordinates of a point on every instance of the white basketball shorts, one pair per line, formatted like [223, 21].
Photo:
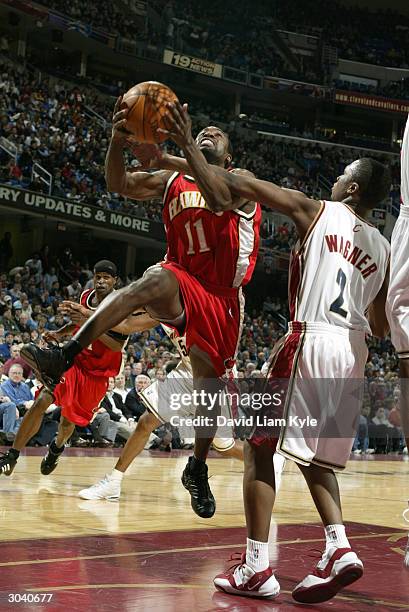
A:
[324, 365]
[162, 400]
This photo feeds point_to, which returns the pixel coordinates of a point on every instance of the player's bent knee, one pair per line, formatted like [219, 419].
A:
[160, 282]
[148, 421]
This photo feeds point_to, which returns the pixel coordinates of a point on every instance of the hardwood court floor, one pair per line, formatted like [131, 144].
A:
[150, 552]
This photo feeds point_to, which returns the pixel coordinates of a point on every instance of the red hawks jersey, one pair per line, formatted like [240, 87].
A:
[218, 248]
[98, 359]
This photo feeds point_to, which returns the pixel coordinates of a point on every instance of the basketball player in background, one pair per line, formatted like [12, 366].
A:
[197, 290]
[83, 387]
[337, 292]
[398, 295]
[157, 399]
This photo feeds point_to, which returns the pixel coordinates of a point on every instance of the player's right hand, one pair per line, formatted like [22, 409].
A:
[148, 155]
[51, 336]
[76, 312]
[119, 132]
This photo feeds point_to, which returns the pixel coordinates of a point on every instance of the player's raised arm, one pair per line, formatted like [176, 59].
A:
[224, 190]
[136, 185]
[212, 186]
[404, 168]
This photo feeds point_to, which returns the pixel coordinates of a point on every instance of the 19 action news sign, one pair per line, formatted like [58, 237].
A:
[195, 64]
[69, 210]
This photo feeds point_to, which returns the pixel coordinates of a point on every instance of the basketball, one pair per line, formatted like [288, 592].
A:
[147, 111]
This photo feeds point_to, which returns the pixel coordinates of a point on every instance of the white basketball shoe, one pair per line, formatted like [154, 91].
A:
[240, 579]
[337, 568]
[107, 488]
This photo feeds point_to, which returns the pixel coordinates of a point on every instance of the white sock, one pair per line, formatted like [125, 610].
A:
[257, 555]
[336, 537]
[116, 475]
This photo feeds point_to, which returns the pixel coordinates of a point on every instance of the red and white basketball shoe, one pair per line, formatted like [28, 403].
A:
[336, 569]
[240, 579]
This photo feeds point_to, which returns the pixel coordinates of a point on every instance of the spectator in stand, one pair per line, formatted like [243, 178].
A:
[5, 347]
[133, 404]
[74, 290]
[16, 389]
[379, 429]
[119, 388]
[129, 383]
[118, 412]
[394, 418]
[9, 419]
[50, 277]
[16, 400]
[35, 266]
[9, 322]
[16, 359]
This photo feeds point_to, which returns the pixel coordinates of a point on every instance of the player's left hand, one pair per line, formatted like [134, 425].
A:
[76, 312]
[179, 124]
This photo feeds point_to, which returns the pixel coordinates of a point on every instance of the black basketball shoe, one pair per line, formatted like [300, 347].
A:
[7, 463]
[195, 480]
[50, 461]
[49, 364]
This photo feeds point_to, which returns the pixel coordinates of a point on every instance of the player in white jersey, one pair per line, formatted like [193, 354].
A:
[397, 307]
[156, 398]
[338, 287]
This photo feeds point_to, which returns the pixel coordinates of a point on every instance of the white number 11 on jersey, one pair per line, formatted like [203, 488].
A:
[198, 225]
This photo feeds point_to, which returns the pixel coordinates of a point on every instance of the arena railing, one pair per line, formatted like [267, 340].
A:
[9, 147]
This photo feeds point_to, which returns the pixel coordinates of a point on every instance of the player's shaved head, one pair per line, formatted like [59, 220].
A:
[374, 180]
[366, 182]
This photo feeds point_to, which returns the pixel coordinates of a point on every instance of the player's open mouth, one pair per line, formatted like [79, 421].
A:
[206, 142]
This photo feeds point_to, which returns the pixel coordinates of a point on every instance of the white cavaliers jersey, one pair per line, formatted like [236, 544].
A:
[338, 269]
[180, 343]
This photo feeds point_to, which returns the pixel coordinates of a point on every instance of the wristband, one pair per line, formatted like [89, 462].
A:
[117, 336]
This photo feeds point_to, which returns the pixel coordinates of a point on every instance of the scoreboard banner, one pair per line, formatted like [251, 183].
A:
[68, 210]
[195, 64]
[375, 102]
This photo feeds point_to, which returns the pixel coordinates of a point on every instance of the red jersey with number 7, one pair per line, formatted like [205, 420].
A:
[218, 248]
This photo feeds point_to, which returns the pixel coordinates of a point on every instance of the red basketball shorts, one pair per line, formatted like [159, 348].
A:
[214, 318]
[79, 395]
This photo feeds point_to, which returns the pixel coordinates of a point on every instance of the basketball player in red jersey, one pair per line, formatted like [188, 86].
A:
[337, 289]
[85, 384]
[196, 290]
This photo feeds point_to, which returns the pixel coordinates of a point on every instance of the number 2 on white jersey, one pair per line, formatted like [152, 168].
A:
[198, 225]
[336, 305]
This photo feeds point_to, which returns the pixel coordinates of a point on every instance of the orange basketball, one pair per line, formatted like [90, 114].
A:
[147, 110]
